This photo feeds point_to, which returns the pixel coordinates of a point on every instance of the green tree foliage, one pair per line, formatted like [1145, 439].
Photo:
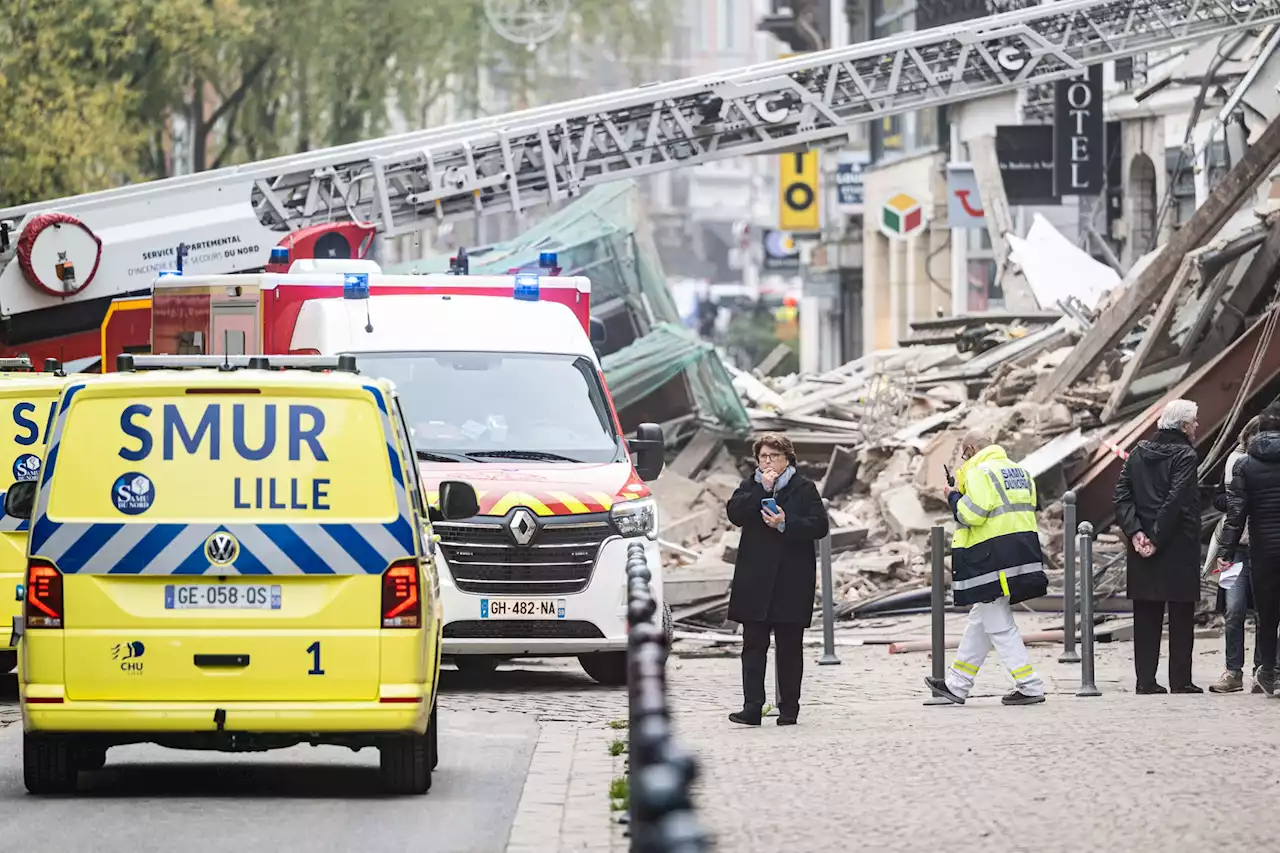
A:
[89, 88]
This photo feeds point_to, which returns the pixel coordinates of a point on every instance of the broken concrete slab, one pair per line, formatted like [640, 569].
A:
[842, 471]
[699, 582]
[903, 511]
[693, 526]
[676, 496]
[846, 539]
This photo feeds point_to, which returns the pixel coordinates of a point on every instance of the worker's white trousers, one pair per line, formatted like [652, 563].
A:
[990, 626]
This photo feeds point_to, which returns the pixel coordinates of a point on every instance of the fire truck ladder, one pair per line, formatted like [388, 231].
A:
[521, 160]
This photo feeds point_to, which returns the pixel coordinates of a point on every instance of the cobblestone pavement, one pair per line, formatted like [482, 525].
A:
[870, 766]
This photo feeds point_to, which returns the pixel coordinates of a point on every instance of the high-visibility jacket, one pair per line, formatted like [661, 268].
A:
[996, 548]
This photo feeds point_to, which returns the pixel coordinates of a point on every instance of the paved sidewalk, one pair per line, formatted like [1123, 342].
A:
[871, 767]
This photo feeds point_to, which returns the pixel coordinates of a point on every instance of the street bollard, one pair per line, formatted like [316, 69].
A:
[828, 603]
[1087, 687]
[938, 609]
[1069, 653]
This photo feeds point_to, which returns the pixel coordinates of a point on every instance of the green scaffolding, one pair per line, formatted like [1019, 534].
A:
[604, 236]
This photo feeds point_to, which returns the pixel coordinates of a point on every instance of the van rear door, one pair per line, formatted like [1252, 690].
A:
[222, 542]
[28, 404]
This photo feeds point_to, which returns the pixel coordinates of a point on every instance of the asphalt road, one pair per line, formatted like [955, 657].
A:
[315, 799]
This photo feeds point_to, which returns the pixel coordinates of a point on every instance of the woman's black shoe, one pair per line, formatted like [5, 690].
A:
[787, 721]
[745, 718]
[1151, 689]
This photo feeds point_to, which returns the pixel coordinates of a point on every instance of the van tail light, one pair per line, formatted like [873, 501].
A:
[401, 602]
[44, 595]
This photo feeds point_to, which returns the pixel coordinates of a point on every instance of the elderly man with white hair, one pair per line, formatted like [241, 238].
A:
[1157, 504]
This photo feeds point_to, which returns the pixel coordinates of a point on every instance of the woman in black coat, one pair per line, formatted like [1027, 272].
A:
[775, 575]
[1253, 498]
[1157, 504]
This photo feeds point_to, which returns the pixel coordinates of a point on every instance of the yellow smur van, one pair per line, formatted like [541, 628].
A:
[26, 401]
[231, 559]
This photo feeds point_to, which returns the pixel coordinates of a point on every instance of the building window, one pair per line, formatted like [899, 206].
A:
[726, 24]
[984, 293]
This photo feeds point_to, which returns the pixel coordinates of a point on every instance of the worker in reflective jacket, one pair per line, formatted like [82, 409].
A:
[995, 562]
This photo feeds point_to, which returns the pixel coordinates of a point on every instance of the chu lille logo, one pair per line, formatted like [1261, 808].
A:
[129, 655]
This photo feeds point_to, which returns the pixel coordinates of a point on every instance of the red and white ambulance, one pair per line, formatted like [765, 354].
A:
[501, 385]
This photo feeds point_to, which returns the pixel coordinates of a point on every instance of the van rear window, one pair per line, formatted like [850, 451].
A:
[234, 458]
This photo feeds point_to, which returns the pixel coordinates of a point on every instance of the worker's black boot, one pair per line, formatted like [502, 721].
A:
[938, 687]
[1017, 697]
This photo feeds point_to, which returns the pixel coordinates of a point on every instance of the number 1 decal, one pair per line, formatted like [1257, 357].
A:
[314, 651]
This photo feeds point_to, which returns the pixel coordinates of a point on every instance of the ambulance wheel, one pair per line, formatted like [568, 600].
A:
[48, 765]
[8, 660]
[607, 668]
[433, 739]
[406, 764]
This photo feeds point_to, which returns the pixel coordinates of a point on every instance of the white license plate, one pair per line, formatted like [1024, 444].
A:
[522, 608]
[222, 596]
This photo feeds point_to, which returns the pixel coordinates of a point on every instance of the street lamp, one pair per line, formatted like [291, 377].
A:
[527, 22]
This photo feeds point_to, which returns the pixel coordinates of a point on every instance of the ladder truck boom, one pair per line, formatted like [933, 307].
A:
[232, 217]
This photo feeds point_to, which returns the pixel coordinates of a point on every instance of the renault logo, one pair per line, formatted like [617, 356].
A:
[522, 526]
[221, 548]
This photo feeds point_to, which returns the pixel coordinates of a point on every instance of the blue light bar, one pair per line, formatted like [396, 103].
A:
[527, 287]
[547, 260]
[279, 255]
[355, 285]
[168, 274]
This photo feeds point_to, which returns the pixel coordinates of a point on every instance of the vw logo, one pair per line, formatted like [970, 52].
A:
[221, 548]
[522, 526]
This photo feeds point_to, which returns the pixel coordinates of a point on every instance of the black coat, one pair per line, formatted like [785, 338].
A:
[775, 575]
[1159, 495]
[1254, 497]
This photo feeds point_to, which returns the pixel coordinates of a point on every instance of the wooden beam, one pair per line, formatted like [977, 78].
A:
[1258, 279]
[999, 219]
[1164, 315]
[1208, 219]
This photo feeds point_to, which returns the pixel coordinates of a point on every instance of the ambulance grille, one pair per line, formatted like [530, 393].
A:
[484, 558]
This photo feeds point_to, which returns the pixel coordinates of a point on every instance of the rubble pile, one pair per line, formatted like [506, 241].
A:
[875, 434]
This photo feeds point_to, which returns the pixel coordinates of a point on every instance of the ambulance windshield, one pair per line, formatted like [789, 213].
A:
[496, 407]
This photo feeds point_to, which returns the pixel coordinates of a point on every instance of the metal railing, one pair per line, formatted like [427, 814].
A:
[661, 818]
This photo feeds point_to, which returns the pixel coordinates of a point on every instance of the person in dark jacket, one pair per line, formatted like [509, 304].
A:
[775, 574]
[1157, 504]
[1233, 598]
[1253, 498]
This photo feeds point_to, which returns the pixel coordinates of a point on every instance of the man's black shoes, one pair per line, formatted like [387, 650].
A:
[745, 717]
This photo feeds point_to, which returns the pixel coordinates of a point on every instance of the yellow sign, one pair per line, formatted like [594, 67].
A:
[235, 457]
[798, 192]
